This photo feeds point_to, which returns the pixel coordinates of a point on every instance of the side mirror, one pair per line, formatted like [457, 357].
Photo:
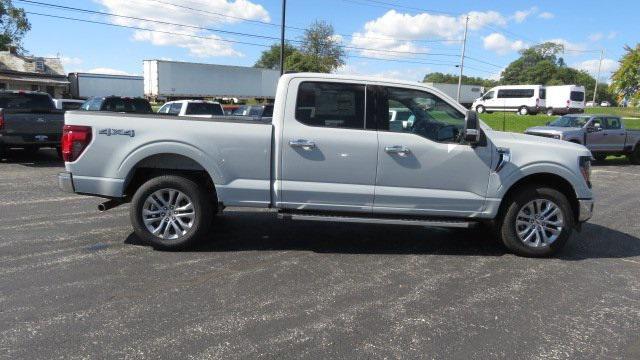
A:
[471, 132]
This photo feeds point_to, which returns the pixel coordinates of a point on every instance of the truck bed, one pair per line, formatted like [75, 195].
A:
[122, 142]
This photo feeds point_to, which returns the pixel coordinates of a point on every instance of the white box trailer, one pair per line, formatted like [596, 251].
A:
[86, 85]
[565, 99]
[166, 80]
[468, 93]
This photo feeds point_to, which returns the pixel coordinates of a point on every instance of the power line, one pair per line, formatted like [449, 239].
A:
[392, 6]
[69, 8]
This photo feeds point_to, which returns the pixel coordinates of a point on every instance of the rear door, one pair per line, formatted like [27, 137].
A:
[329, 158]
[423, 169]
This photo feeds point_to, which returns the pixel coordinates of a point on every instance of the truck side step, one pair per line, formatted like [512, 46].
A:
[445, 223]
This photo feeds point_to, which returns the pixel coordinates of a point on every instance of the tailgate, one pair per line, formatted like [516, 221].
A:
[33, 127]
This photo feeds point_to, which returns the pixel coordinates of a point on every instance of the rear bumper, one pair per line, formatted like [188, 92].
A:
[65, 182]
[585, 209]
[29, 140]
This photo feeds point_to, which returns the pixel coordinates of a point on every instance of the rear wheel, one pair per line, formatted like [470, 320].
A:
[550, 112]
[523, 110]
[171, 212]
[537, 223]
[634, 157]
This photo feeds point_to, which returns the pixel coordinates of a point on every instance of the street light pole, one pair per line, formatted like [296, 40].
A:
[464, 49]
[595, 90]
[284, 12]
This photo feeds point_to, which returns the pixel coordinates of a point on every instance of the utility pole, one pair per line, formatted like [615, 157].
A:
[595, 91]
[284, 12]
[464, 49]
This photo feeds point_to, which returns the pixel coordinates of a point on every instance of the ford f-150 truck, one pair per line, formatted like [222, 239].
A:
[29, 120]
[602, 134]
[330, 154]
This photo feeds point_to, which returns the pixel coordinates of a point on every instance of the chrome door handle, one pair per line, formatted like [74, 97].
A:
[302, 143]
[398, 149]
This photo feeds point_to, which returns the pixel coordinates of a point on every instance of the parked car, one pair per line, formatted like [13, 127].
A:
[118, 104]
[229, 109]
[602, 134]
[67, 104]
[590, 104]
[605, 104]
[29, 120]
[523, 99]
[402, 117]
[194, 108]
[324, 157]
[564, 99]
[254, 111]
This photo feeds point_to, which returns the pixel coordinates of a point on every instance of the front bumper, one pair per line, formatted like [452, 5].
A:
[65, 182]
[585, 209]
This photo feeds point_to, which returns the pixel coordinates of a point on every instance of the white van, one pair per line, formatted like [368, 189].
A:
[523, 99]
[565, 99]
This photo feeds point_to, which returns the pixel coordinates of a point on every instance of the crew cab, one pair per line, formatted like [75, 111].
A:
[195, 108]
[329, 154]
[604, 135]
[29, 120]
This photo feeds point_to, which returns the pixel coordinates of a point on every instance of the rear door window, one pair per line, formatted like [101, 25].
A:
[26, 101]
[175, 109]
[613, 124]
[335, 105]
[543, 94]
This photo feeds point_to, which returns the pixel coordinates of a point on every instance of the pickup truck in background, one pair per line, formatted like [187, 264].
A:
[604, 135]
[195, 108]
[29, 120]
[118, 104]
[329, 154]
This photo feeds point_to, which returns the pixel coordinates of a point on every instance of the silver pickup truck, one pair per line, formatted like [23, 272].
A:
[602, 134]
[29, 120]
[330, 153]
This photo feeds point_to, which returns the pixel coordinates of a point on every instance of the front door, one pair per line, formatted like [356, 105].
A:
[595, 137]
[423, 169]
[329, 158]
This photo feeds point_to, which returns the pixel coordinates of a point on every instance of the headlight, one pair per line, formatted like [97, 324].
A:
[585, 168]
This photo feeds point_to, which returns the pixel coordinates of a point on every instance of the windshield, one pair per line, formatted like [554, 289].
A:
[570, 121]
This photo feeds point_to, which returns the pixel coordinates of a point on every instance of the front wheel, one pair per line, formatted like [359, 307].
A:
[480, 109]
[537, 222]
[171, 212]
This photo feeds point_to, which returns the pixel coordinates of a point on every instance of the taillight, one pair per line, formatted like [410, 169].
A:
[74, 140]
[1, 120]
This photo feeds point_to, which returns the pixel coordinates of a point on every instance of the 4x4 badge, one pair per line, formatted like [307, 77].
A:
[123, 132]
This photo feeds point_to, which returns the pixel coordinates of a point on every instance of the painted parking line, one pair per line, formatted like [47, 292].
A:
[598, 171]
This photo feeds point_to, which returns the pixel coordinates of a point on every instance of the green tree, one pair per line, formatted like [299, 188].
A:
[626, 80]
[321, 44]
[270, 59]
[13, 26]
[441, 78]
[536, 65]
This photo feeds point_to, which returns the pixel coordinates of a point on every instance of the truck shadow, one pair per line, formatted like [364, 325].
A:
[254, 231]
[40, 158]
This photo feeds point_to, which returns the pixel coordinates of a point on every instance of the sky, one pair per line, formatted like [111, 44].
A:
[402, 39]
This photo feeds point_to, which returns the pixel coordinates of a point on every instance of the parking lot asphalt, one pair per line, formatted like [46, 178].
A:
[75, 283]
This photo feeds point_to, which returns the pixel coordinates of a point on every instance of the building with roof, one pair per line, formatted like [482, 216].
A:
[32, 73]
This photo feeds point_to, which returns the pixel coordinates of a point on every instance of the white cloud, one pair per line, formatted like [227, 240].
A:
[105, 70]
[501, 45]
[400, 32]
[521, 15]
[204, 44]
[596, 36]
[568, 45]
[591, 66]
[546, 15]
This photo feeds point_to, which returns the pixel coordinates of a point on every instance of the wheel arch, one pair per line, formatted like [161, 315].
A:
[547, 179]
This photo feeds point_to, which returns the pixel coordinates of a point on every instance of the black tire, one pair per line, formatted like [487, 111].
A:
[202, 209]
[508, 230]
[600, 157]
[523, 110]
[634, 157]
[480, 109]
[550, 112]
